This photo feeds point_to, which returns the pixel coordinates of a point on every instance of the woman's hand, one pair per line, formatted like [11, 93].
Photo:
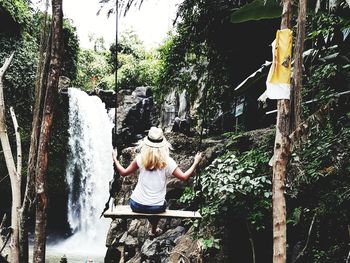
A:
[115, 153]
[198, 157]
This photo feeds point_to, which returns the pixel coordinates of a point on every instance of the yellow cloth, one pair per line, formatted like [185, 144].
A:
[278, 79]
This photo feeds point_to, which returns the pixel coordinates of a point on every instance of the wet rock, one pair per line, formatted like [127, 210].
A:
[63, 259]
[113, 255]
[159, 248]
[175, 113]
[107, 96]
[116, 231]
[186, 250]
[143, 92]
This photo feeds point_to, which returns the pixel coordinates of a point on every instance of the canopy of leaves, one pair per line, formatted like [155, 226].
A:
[92, 68]
[70, 50]
[19, 83]
[18, 9]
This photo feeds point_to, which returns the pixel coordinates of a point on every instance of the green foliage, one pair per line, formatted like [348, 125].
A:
[70, 43]
[256, 10]
[235, 186]
[210, 243]
[328, 59]
[20, 76]
[135, 72]
[136, 66]
[70, 50]
[319, 183]
[295, 216]
[92, 68]
[18, 92]
[18, 9]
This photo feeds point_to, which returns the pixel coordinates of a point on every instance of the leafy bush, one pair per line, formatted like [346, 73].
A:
[234, 186]
[92, 68]
[18, 9]
[319, 184]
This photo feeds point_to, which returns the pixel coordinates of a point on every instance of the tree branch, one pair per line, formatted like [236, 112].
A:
[307, 240]
[6, 65]
[18, 143]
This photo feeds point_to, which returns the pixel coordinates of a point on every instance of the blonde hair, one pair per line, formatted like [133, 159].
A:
[154, 158]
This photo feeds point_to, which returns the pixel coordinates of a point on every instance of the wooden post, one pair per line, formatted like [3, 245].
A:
[45, 132]
[280, 160]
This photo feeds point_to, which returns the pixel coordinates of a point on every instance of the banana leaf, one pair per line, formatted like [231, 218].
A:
[257, 10]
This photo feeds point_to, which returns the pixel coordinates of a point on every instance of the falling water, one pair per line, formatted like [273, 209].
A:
[88, 173]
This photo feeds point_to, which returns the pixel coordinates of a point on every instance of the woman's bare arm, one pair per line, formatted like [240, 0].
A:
[183, 176]
[121, 170]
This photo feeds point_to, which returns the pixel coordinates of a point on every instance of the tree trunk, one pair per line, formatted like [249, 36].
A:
[11, 168]
[280, 160]
[45, 132]
[40, 90]
[298, 66]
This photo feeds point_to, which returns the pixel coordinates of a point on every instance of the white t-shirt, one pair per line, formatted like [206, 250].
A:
[151, 185]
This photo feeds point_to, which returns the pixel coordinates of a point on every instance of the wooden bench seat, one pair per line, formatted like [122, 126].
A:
[124, 211]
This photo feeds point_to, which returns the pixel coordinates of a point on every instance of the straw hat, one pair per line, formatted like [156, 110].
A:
[155, 138]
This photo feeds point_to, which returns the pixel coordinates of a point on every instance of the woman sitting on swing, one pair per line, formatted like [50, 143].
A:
[155, 166]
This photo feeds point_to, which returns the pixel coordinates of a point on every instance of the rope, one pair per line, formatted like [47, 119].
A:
[114, 184]
[116, 76]
[198, 172]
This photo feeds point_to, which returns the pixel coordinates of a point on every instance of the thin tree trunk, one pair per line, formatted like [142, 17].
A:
[48, 110]
[280, 160]
[251, 240]
[11, 167]
[40, 90]
[348, 257]
[298, 66]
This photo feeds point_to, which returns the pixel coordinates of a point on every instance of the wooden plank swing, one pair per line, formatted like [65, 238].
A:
[124, 211]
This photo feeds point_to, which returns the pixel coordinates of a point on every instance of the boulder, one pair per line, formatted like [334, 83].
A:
[158, 249]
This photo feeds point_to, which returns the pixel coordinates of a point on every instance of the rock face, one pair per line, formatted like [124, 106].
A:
[175, 113]
[128, 240]
[136, 113]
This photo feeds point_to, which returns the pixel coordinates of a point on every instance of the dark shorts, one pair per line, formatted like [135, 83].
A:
[148, 209]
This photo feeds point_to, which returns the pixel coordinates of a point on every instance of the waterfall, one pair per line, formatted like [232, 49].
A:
[88, 172]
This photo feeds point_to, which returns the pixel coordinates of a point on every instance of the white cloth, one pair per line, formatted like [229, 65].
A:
[151, 185]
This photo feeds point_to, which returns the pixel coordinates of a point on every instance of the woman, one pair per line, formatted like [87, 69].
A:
[155, 166]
